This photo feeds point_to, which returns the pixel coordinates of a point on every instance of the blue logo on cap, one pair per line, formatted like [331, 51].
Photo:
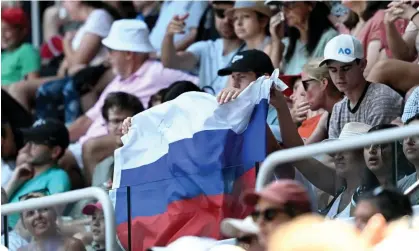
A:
[345, 51]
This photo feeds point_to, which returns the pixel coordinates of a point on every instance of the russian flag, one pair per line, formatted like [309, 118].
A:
[187, 162]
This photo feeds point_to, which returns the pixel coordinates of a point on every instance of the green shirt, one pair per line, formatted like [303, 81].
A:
[54, 179]
[16, 64]
[299, 57]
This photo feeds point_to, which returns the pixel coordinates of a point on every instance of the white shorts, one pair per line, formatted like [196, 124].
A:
[76, 150]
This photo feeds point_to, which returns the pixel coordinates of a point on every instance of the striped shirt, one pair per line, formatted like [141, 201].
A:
[378, 104]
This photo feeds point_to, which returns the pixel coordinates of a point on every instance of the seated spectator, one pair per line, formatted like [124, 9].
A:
[390, 204]
[365, 102]
[321, 93]
[129, 50]
[97, 226]
[65, 104]
[380, 161]
[246, 67]
[348, 166]
[251, 21]
[42, 224]
[15, 240]
[81, 48]
[244, 231]
[371, 31]
[309, 31]
[170, 9]
[340, 181]
[205, 56]
[47, 141]
[19, 60]
[307, 119]
[277, 204]
[116, 108]
[401, 73]
[411, 151]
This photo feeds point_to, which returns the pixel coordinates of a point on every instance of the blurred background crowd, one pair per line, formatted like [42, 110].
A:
[352, 67]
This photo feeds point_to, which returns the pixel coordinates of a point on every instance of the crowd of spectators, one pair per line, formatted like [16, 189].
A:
[352, 67]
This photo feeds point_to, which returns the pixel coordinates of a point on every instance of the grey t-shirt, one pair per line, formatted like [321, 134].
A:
[379, 104]
[405, 183]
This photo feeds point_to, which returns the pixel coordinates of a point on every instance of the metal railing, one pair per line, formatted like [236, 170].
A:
[69, 197]
[299, 153]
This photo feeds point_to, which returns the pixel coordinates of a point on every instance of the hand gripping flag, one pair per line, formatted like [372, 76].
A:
[187, 162]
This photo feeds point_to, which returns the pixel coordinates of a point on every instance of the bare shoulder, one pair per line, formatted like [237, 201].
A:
[73, 244]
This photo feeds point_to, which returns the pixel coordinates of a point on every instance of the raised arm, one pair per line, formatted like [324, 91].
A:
[402, 48]
[322, 176]
[169, 56]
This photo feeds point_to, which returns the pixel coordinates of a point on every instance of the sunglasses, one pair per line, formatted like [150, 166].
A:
[268, 215]
[220, 13]
[306, 83]
[35, 194]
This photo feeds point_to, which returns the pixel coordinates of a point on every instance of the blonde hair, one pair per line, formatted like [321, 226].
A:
[312, 69]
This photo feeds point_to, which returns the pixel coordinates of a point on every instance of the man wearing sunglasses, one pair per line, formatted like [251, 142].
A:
[278, 203]
[47, 141]
[205, 57]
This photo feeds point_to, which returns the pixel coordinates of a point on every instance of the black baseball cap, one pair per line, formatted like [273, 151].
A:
[249, 61]
[49, 132]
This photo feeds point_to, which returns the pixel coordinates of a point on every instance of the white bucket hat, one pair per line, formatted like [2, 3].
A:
[233, 227]
[129, 35]
[350, 130]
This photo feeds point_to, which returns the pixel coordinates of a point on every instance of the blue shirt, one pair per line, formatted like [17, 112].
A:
[54, 179]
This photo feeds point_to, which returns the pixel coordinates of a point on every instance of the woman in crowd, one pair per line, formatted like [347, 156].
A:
[42, 224]
[370, 30]
[321, 93]
[309, 31]
[401, 72]
[305, 118]
[251, 22]
[411, 151]
[390, 204]
[380, 160]
[277, 204]
[81, 48]
[340, 181]
[19, 60]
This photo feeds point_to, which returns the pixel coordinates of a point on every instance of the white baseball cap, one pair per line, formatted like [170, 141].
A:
[343, 48]
[129, 35]
[233, 227]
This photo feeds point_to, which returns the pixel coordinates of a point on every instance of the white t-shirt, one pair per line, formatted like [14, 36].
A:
[6, 172]
[171, 8]
[15, 241]
[210, 60]
[99, 23]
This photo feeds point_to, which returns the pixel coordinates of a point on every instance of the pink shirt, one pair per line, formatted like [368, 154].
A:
[374, 29]
[146, 81]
